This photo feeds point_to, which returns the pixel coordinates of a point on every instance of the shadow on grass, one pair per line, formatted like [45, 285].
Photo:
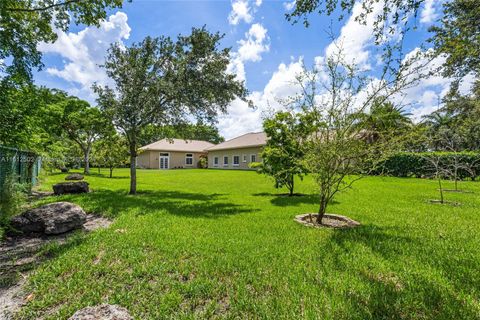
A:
[396, 287]
[194, 205]
[283, 200]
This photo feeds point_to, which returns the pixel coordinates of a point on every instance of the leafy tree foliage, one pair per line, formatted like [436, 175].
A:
[163, 82]
[111, 151]
[199, 131]
[83, 125]
[458, 37]
[26, 23]
[457, 121]
[282, 157]
[383, 119]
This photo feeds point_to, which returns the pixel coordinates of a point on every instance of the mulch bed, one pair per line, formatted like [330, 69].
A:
[329, 220]
[452, 203]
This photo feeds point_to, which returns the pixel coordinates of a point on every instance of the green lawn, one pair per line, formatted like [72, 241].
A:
[220, 244]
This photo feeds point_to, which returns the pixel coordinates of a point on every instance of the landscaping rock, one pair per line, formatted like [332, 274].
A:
[54, 218]
[74, 176]
[102, 312]
[64, 170]
[70, 187]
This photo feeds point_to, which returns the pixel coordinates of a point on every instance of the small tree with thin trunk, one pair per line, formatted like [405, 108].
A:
[339, 152]
[83, 125]
[282, 157]
[111, 152]
[165, 82]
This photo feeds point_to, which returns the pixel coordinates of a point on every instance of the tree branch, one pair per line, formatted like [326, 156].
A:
[43, 8]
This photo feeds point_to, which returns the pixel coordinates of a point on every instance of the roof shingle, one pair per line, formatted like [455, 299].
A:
[252, 139]
[178, 145]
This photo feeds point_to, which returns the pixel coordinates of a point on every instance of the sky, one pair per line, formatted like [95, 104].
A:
[267, 50]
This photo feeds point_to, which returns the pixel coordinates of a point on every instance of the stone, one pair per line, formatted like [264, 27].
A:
[102, 312]
[64, 170]
[74, 176]
[70, 187]
[50, 219]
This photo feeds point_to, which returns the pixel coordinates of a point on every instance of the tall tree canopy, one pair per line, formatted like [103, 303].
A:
[166, 82]
[26, 23]
[458, 37]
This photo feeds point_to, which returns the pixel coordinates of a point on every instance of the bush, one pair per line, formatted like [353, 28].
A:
[202, 162]
[409, 164]
[12, 198]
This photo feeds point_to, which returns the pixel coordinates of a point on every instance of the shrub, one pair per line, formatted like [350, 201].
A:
[12, 198]
[409, 164]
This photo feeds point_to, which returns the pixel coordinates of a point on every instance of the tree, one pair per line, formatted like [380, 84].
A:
[198, 131]
[338, 153]
[383, 118]
[111, 151]
[83, 125]
[458, 38]
[165, 82]
[26, 23]
[282, 157]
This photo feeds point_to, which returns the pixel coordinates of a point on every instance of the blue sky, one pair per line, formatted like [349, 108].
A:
[267, 50]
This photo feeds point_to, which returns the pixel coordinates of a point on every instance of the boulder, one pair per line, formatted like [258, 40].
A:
[74, 176]
[102, 312]
[53, 218]
[64, 170]
[70, 187]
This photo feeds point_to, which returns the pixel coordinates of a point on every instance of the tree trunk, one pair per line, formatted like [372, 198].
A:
[86, 160]
[441, 189]
[133, 170]
[111, 172]
[322, 210]
[292, 185]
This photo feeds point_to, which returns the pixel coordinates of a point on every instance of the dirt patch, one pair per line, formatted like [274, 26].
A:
[451, 203]
[457, 191]
[19, 255]
[329, 220]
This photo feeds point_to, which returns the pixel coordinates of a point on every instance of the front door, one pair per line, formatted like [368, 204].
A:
[164, 160]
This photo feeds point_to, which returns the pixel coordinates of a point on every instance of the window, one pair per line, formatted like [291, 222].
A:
[244, 158]
[225, 161]
[253, 158]
[189, 159]
[215, 162]
[236, 161]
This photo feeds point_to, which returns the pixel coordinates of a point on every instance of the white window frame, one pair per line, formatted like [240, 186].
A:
[244, 159]
[225, 164]
[218, 161]
[251, 157]
[187, 157]
[233, 161]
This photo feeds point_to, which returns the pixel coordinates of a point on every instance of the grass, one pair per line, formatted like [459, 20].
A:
[221, 244]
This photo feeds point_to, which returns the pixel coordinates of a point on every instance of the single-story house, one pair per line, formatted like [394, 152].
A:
[172, 153]
[238, 152]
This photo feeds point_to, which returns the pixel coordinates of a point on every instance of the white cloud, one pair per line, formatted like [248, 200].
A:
[258, 3]
[254, 44]
[289, 5]
[429, 12]
[85, 51]
[426, 95]
[241, 118]
[251, 48]
[240, 11]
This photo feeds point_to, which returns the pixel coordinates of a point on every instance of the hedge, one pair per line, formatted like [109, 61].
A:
[409, 164]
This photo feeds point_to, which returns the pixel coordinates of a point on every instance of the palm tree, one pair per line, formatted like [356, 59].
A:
[384, 118]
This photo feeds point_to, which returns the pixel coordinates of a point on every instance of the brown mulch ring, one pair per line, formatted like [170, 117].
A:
[329, 220]
[457, 191]
[452, 203]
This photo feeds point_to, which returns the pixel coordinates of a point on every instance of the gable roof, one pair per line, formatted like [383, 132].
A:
[252, 139]
[180, 145]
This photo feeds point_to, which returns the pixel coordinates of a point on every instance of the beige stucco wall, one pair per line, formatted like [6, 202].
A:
[149, 159]
[233, 152]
